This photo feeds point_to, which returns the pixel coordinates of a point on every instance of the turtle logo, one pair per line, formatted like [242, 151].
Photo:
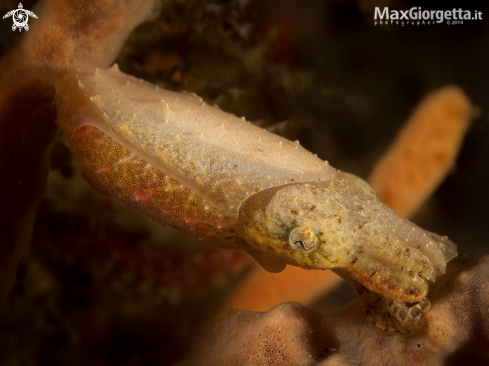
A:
[20, 17]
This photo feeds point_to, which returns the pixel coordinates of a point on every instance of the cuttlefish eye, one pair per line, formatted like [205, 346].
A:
[303, 240]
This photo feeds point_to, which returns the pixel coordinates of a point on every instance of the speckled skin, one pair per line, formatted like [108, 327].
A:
[195, 167]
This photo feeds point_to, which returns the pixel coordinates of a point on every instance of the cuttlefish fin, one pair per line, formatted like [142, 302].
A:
[269, 263]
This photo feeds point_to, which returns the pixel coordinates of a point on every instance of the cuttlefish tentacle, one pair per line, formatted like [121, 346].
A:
[187, 164]
[387, 313]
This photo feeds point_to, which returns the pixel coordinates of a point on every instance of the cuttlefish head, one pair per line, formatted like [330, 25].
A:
[341, 224]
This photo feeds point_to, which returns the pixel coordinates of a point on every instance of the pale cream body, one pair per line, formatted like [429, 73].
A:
[223, 158]
[193, 166]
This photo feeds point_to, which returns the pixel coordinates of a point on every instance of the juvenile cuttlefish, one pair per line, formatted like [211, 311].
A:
[186, 164]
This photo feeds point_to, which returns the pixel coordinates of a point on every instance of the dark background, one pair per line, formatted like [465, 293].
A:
[319, 71]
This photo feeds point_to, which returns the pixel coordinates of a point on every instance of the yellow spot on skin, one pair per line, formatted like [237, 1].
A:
[126, 128]
[164, 157]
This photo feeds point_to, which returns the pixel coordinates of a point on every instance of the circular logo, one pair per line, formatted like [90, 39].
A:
[20, 18]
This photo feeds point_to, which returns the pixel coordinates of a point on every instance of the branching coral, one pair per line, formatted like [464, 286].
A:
[424, 152]
[65, 38]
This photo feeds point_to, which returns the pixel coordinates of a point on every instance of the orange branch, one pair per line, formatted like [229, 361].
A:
[424, 151]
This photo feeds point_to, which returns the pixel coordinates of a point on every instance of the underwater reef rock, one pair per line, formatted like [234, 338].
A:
[456, 331]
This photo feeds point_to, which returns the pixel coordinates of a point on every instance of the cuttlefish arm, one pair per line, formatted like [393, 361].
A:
[186, 164]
